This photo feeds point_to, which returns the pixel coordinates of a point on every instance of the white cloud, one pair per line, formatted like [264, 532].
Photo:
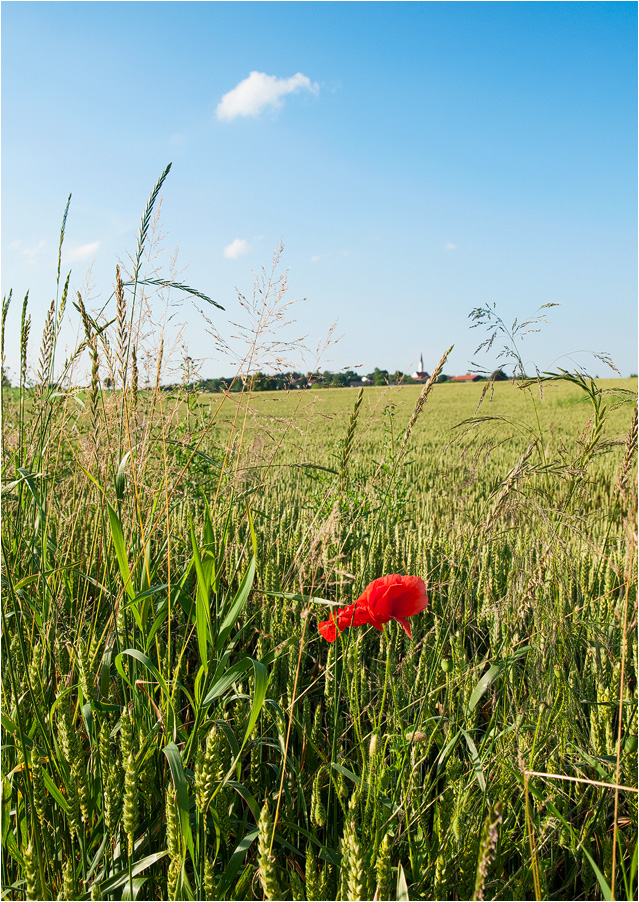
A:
[83, 252]
[317, 257]
[29, 253]
[450, 246]
[237, 248]
[259, 92]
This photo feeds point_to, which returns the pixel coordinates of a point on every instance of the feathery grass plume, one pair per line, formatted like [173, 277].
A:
[146, 222]
[487, 847]
[347, 447]
[511, 479]
[122, 331]
[25, 328]
[6, 303]
[62, 230]
[63, 305]
[91, 342]
[46, 347]
[267, 870]
[422, 399]
[629, 453]
[134, 381]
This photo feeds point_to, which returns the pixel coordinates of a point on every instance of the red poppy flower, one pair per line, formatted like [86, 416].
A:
[392, 597]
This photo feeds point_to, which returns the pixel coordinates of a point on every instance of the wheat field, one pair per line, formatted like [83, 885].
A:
[175, 727]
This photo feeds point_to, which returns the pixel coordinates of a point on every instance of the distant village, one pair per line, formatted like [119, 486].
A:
[343, 379]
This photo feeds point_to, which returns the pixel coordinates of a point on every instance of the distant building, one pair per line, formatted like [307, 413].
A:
[420, 375]
[467, 378]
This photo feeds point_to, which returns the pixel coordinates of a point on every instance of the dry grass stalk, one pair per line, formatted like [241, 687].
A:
[422, 399]
[631, 449]
[507, 485]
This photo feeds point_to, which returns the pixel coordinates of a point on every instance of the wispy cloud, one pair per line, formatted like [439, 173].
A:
[259, 92]
[29, 253]
[317, 257]
[237, 248]
[83, 252]
[450, 247]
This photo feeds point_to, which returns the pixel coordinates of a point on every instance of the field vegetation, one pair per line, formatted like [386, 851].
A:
[174, 726]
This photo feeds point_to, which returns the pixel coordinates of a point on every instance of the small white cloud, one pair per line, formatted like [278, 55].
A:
[237, 248]
[450, 247]
[82, 252]
[31, 253]
[259, 92]
[317, 257]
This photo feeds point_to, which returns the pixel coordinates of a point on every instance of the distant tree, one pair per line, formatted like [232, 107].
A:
[379, 377]
[262, 382]
[6, 382]
[499, 376]
[443, 378]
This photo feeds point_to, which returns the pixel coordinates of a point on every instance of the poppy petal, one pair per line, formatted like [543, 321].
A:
[405, 624]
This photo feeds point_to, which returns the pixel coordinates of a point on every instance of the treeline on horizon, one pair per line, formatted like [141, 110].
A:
[297, 380]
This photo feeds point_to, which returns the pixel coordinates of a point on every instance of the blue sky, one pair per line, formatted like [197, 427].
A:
[419, 160]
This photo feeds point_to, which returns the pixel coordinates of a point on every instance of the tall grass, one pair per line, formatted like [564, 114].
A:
[173, 725]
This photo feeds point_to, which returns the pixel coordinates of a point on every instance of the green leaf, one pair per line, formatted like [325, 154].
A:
[143, 659]
[229, 875]
[259, 694]
[402, 886]
[138, 883]
[223, 683]
[121, 877]
[202, 616]
[236, 605]
[55, 792]
[474, 757]
[120, 550]
[491, 676]
[605, 889]
[484, 684]
[181, 792]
